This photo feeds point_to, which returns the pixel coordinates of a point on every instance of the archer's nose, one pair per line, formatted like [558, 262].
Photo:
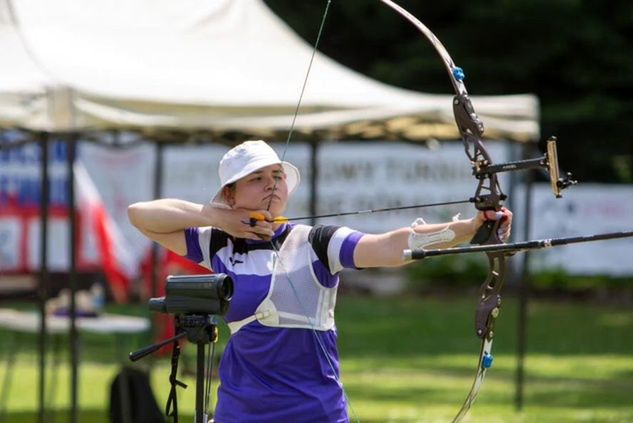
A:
[271, 183]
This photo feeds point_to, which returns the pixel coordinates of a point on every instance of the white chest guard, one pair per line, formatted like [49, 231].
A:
[296, 299]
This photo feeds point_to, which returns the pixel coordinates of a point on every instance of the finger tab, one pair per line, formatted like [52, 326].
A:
[256, 217]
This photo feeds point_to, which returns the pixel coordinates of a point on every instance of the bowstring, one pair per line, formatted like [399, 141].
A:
[274, 247]
[303, 89]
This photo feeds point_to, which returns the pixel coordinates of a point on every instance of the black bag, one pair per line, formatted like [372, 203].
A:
[132, 399]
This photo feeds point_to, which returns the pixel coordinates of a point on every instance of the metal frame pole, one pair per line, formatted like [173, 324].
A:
[42, 290]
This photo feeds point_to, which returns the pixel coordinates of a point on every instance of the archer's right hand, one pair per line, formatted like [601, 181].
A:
[238, 223]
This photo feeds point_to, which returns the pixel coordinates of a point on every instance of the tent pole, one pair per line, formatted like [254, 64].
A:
[71, 143]
[158, 192]
[42, 291]
[523, 287]
[154, 274]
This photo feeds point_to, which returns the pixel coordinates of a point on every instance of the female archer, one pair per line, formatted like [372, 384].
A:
[281, 362]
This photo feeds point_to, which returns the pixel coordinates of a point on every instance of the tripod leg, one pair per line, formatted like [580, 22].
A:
[200, 383]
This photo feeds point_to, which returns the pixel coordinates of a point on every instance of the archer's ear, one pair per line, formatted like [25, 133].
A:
[228, 192]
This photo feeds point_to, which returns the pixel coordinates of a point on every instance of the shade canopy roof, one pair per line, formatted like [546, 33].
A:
[223, 68]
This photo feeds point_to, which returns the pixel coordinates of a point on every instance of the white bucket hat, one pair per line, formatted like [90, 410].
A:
[246, 158]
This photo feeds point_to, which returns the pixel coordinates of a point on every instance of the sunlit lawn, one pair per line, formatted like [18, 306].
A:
[409, 360]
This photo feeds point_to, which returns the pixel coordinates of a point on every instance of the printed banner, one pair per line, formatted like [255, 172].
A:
[99, 243]
[351, 176]
[585, 209]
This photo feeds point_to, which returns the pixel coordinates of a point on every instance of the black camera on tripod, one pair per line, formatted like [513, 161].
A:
[195, 294]
[196, 301]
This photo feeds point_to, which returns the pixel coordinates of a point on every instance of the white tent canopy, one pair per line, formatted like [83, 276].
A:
[223, 66]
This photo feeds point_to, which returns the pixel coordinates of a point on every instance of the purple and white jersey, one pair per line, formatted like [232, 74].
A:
[271, 374]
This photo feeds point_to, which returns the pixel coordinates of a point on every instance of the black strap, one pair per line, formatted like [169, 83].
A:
[171, 408]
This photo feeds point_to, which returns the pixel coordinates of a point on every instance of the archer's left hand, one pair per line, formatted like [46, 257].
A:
[505, 215]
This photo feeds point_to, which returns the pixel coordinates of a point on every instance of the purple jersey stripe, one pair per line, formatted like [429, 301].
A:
[346, 255]
[194, 253]
[323, 275]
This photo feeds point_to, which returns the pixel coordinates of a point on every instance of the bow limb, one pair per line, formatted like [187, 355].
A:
[488, 196]
[454, 72]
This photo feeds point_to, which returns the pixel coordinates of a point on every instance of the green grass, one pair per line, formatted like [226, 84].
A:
[408, 360]
[413, 360]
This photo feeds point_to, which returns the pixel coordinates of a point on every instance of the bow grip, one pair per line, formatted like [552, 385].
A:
[487, 312]
[487, 233]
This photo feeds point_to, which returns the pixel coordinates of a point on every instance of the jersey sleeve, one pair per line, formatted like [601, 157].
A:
[334, 246]
[198, 245]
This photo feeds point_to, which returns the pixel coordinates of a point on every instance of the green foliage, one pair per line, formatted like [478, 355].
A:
[451, 273]
[558, 281]
[574, 54]
[446, 273]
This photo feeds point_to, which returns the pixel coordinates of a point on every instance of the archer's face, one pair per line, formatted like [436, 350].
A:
[255, 191]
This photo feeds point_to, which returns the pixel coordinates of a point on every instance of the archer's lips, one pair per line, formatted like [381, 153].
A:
[274, 198]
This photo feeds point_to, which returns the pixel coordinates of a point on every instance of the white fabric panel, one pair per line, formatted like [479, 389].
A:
[585, 209]
[190, 64]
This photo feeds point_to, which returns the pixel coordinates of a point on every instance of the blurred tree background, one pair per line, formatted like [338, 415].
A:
[575, 55]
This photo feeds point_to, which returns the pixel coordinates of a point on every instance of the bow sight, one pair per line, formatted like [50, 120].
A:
[549, 162]
[471, 128]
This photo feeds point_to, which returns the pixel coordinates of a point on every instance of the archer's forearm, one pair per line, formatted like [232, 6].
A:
[167, 215]
[385, 250]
